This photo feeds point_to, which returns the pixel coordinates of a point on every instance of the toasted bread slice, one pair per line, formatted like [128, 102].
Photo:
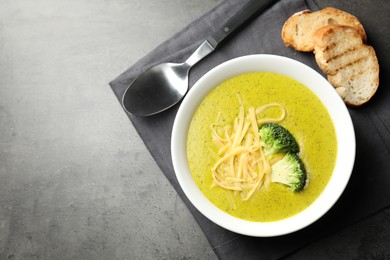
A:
[298, 30]
[352, 66]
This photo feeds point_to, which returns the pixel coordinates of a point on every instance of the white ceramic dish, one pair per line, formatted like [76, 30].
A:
[337, 110]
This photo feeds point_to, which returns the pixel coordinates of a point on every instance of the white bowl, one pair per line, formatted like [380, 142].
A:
[344, 132]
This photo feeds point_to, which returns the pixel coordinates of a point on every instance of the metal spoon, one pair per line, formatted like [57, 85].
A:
[164, 85]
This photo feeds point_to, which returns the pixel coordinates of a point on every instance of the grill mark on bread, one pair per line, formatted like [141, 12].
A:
[355, 72]
[350, 64]
[331, 63]
[347, 52]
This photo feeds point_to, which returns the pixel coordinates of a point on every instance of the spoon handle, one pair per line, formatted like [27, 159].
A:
[247, 12]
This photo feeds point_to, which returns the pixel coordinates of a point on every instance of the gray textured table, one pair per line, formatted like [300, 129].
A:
[70, 187]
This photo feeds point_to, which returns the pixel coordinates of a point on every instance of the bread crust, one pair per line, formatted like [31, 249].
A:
[298, 30]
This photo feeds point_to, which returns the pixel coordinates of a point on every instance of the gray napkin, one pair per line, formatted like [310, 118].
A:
[368, 191]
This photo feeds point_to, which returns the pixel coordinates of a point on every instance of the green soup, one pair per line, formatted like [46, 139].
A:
[307, 119]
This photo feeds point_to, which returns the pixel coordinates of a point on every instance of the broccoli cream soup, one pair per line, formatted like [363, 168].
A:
[229, 161]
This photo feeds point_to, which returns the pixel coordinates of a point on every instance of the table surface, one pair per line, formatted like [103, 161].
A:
[76, 180]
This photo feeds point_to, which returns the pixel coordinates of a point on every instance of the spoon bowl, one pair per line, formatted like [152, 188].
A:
[157, 89]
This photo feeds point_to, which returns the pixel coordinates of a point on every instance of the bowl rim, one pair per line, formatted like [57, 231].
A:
[340, 116]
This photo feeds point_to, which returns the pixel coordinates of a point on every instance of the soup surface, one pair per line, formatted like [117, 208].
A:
[307, 119]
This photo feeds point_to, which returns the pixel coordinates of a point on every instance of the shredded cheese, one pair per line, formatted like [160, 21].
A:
[242, 166]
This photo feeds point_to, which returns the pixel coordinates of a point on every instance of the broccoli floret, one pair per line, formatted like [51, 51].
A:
[277, 139]
[290, 171]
